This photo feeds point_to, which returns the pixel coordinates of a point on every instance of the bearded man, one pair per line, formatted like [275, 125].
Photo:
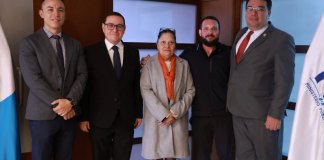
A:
[209, 61]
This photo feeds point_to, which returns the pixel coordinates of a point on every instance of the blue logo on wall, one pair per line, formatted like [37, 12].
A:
[315, 88]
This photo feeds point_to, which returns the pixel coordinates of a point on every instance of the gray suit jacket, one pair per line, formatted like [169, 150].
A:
[42, 75]
[261, 83]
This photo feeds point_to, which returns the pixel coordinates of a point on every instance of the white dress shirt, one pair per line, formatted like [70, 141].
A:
[111, 51]
[253, 37]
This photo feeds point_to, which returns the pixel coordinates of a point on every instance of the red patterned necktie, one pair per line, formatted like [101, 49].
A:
[242, 47]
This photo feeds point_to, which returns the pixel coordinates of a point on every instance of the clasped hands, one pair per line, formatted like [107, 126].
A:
[167, 121]
[63, 108]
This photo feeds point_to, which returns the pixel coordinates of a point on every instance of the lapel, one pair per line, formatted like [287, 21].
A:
[178, 74]
[68, 44]
[47, 47]
[104, 58]
[126, 59]
[239, 35]
[160, 78]
[257, 42]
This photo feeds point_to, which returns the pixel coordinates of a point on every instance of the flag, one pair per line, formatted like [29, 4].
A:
[9, 130]
[307, 138]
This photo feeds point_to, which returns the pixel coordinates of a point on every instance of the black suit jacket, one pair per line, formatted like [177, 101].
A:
[104, 94]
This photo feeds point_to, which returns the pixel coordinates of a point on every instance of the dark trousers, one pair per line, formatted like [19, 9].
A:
[114, 142]
[52, 139]
[217, 129]
[255, 142]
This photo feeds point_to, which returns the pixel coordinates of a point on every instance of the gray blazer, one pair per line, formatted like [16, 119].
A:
[165, 141]
[41, 74]
[261, 83]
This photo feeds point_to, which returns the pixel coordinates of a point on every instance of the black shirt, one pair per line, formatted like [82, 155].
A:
[210, 76]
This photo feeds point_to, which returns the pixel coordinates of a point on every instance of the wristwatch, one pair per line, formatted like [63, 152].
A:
[73, 103]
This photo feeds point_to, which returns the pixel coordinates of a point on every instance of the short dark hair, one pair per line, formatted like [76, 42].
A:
[115, 14]
[212, 18]
[269, 3]
[167, 30]
[45, 0]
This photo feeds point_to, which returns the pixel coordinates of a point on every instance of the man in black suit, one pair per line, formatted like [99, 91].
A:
[54, 69]
[112, 104]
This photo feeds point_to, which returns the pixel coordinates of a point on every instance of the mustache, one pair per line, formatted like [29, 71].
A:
[213, 36]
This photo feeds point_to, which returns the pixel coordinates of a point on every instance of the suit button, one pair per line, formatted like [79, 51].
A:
[116, 99]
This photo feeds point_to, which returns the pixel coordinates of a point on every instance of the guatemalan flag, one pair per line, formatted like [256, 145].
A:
[307, 139]
[9, 130]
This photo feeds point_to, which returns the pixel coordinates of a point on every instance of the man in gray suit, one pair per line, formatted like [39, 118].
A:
[54, 69]
[261, 79]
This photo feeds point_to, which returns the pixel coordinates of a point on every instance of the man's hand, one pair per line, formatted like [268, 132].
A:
[272, 124]
[84, 126]
[69, 115]
[63, 106]
[144, 60]
[138, 122]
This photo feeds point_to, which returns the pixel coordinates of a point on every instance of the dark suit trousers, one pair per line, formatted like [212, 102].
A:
[217, 129]
[114, 142]
[255, 142]
[52, 139]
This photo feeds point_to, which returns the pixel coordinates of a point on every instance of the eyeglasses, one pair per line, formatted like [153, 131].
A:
[257, 9]
[111, 26]
[167, 30]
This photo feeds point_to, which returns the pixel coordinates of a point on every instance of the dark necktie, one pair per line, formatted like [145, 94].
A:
[59, 55]
[242, 47]
[117, 63]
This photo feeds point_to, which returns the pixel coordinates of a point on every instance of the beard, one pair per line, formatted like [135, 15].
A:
[208, 43]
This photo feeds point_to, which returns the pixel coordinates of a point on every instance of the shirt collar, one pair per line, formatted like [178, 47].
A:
[259, 31]
[110, 45]
[49, 34]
